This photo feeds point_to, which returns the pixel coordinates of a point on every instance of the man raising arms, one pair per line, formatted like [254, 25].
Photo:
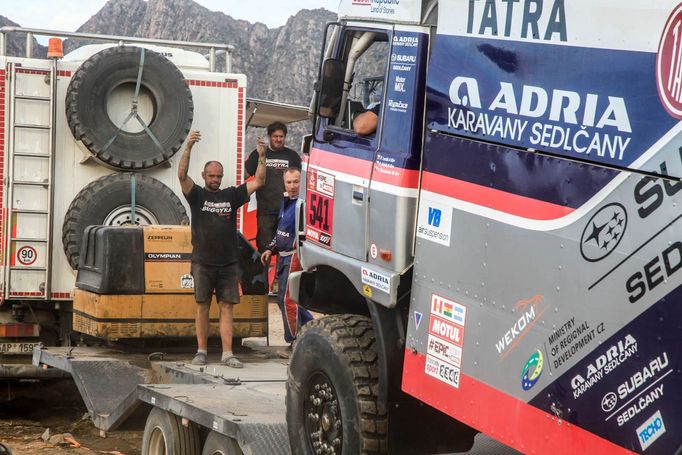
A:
[279, 158]
[214, 244]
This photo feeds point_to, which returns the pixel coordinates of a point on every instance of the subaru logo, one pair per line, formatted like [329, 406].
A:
[603, 232]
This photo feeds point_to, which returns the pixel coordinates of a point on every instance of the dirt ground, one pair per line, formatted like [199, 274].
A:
[28, 409]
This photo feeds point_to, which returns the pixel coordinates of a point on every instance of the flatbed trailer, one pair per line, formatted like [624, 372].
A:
[245, 406]
[215, 408]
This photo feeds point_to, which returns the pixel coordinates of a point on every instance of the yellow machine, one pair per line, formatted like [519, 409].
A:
[135, 282]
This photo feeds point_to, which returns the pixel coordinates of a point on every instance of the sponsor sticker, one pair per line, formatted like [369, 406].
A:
[652, 429]
[532, 370]
[442, 371]
[609, 402]
[448, 309]
[446, 330]
[529, 312]
[376, 280]
[434, 222]
[603, 232]
[417, 319]
[610, 359]
[669, 64]
[642, 389]
[569, 339]
[445, 340]
[444, 351]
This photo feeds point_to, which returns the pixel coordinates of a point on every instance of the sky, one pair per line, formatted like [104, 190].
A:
[68, 15]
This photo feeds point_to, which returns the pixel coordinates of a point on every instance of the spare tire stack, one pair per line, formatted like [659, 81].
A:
[157, 139]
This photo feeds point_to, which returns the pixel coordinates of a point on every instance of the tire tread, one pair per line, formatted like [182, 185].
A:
[353, 336]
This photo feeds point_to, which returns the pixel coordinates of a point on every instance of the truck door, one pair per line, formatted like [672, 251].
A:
[395, 175]
[341, 161]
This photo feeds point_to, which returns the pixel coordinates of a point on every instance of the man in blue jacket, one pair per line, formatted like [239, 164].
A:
[284, 244]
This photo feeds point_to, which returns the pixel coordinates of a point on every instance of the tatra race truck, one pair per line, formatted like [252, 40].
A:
[504, 248]
[499, 256]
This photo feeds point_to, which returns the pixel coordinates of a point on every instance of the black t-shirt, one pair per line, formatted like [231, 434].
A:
[270, 196]
[214, 223]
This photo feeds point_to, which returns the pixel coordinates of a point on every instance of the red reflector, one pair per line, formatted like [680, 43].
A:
[386, 255]
[19, 329]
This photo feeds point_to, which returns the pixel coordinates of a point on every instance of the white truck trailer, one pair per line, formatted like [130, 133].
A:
[90, 139]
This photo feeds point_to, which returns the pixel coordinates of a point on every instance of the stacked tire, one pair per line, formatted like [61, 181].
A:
[106, 200]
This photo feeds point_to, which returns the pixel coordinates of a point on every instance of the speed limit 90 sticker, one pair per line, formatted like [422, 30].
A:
[319, 207]
[26, 255]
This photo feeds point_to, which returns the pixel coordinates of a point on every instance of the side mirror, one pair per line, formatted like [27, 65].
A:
[331, 90]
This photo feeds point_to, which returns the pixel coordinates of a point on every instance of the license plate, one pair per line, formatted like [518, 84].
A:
[18, 348]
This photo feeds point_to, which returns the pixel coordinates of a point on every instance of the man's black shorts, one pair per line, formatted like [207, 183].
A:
[221, 279]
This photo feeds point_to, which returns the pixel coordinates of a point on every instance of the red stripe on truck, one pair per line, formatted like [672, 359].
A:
[492, 198]
[501, 416]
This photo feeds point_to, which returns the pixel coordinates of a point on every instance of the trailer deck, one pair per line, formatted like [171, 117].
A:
[245, 404]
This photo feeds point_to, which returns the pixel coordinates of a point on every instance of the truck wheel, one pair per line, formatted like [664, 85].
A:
[332, 384]
[100, 97]
[164, 434]
[219, 444]
[106, 201]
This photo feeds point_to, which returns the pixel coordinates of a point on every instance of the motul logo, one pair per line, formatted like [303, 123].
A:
[446, 330]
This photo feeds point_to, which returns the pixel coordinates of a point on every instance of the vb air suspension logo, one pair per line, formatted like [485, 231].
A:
[669, 64]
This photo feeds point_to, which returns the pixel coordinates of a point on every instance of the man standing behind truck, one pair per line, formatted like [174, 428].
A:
[214, 244]
[284, 244]
[278, 159]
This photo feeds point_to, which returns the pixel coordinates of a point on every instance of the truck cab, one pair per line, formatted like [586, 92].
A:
[504, 247]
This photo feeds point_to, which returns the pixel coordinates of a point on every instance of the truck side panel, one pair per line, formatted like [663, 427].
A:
[545, 302]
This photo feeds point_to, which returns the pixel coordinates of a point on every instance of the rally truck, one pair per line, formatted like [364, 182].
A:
[501, 254]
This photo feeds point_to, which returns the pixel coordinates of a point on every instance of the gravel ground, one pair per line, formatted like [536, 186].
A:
[28, 409]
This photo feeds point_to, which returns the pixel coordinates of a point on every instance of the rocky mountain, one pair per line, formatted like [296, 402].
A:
[16, 43]
[280, 63]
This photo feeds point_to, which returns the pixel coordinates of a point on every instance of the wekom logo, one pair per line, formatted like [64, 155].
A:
[526, 314]
[669, 64]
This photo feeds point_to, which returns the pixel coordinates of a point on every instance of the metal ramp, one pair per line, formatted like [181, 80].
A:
[29, 187]
[245, 404]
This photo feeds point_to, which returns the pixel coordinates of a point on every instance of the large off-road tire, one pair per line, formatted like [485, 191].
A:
[332, 387]
[170, 98]
[218, 444]
[164, 434]
[106, 201]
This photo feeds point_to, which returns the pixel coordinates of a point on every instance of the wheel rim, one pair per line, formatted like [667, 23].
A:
[121, 216]
[157, 443]
[324, 427]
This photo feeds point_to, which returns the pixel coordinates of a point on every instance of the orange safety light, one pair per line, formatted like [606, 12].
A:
[54, 48]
